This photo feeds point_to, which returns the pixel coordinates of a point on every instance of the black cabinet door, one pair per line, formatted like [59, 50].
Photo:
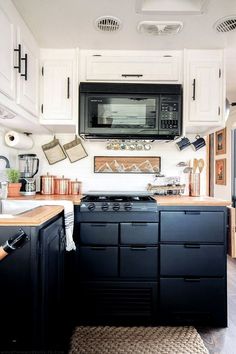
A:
[99, 233]
[193, 226]
[52, 240]
[139, 233]
[194, 301]
[18, 273]
[192, 260]
[98, 261]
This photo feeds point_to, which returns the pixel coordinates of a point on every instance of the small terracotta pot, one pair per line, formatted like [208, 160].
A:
[14, 189]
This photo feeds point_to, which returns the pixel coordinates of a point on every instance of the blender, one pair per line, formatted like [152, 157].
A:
[28, 166]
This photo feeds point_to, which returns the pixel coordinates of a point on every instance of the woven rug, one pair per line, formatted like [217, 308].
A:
[136, 340]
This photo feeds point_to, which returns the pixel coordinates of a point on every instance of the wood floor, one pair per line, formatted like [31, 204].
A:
[223, 340]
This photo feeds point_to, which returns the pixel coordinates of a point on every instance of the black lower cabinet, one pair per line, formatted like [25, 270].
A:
[31, 292]
[193, 301]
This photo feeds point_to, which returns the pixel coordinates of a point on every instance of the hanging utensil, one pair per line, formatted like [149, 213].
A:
[201, 164]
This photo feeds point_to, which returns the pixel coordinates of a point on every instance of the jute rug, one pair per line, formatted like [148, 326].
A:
[136, 340]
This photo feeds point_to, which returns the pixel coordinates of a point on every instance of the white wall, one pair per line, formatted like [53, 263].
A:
[83, 169]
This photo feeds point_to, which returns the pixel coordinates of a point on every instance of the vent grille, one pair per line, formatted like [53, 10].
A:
[226, 24]
[108, 24]
[160, 28]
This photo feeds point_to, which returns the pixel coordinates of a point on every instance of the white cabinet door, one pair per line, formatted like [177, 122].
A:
[205, 86]
[28, 79]
[57, 90]
[132, 68]
[7, 45]
[204, 90]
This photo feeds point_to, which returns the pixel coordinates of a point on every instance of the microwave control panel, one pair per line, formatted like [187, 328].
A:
[170, 113]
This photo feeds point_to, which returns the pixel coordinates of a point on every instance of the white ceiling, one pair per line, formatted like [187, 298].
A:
[70, 23]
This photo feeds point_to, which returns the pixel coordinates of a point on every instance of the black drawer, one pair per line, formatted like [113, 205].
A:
[192, 226]
[138, 262]
[192, 260]
[189, 300]
[99, 233]
[98, 261]
[139, 233]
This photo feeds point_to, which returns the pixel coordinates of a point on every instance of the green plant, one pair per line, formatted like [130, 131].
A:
[13, 175]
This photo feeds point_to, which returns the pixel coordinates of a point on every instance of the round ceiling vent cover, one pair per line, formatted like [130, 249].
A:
[160, 28]
[226, 24]
[108, 24]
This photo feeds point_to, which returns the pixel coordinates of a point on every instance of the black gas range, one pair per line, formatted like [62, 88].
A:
[105, 202]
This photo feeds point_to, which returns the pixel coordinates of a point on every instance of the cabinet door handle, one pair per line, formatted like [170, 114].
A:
[192, 280]
[25, 59]
[194, 89]
[97, 248]
[191, 246]
[98, 225]
[68, 87]
[132, 75]
[192, 212]
[19, 59]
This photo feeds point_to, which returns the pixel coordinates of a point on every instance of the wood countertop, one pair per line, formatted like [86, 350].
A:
[161, 200]
[32, 217]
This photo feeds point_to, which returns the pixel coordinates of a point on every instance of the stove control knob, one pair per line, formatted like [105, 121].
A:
[105, 206]
[91, 206]
[128, 206]
[116, 206]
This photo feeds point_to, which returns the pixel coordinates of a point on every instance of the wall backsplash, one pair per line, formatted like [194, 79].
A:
[83, 169]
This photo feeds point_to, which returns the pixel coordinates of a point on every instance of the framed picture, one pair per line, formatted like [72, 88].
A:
[119, 164]
[220, 142]
[220, 171]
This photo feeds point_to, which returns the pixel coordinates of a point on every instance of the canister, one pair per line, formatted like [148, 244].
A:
[47, 184]
[194, 186]
[76, 187]
[61, 185]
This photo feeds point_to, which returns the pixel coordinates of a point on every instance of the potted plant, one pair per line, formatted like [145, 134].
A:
[13, 182]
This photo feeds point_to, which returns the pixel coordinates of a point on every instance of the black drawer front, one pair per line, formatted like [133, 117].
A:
[200, 300]
[139, 233]
[99, 233]
[138, 262]
[192, 260]
[98, 261]
[192, 226]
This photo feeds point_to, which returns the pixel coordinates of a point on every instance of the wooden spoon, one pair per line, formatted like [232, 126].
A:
[201, 165]
[195, 165]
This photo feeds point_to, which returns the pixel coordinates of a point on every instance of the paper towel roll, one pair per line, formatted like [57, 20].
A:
[18, 140]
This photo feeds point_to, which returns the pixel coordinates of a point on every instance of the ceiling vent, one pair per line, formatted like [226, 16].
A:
[108, 24]
[160, 28]
[226, 24]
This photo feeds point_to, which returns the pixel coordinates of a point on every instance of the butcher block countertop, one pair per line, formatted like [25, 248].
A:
[32, 217]
[161, 200]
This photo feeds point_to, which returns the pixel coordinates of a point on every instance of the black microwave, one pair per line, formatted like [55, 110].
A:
[130, 111]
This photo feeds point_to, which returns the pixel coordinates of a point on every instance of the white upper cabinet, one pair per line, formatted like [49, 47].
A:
[19, 64]
[160, 66]
[204, 98]
[59, 89]
[27, 81]
[7, 45]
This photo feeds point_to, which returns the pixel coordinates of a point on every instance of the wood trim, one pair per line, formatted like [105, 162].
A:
[207, 165]
[232, 233]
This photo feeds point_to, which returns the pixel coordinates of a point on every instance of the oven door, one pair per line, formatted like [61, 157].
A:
[121, 114]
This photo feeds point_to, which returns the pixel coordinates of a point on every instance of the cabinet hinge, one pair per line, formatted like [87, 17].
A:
[219, 111]
[219, 73]
[41, 108]
[42, 71]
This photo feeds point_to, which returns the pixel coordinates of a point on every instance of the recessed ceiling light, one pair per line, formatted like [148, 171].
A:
[171, 6]
[160, 28]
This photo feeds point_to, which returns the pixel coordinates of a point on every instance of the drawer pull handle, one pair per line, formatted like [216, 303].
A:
[139, 224]
[192, 212]
[138, 248]
[132, 75]
[191, 246]
[192, 280]
[98, 225]
[98, 248]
